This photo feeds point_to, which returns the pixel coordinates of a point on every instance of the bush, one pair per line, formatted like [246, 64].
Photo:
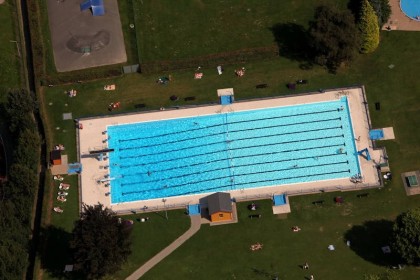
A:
[212, 60]
[334, 37]
[406, 236]
[382, 10]
[369, 28]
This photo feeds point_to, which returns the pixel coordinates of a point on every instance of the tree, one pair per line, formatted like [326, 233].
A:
[101, 242]
[335, 37]
[382, 10]
[369, 28]
[20, 106]
[406, 236]
[387, 275]
[27, 149]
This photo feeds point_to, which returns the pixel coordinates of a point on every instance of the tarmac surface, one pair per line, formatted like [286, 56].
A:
[81, 40]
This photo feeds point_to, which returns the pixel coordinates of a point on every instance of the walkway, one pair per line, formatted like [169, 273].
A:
[195, 226]
[399, 21]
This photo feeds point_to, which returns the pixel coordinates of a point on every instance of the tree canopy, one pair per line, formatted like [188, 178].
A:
[406, 236]
[18, 192]
[101, 242]
[335, 37]
[369, 28]
[382, 10]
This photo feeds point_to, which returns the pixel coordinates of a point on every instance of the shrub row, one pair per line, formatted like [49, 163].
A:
[81, 76]
[225, 58]
[19, 191]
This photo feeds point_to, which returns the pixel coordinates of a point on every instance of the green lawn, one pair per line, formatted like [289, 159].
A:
[166, 31]
[223, 252]
[9, 58]
[188, 28]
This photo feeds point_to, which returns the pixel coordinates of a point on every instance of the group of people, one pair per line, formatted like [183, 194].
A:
[72, 93]
[240, 72]
[59, 147]
[306, 266]
[255, 247]
[62, 194]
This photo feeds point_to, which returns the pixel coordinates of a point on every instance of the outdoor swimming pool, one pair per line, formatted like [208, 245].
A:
[411, 8]
[232, 151]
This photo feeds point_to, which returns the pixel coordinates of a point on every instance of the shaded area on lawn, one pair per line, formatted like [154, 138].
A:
[368, 239]
[55, 251]
[293, 41]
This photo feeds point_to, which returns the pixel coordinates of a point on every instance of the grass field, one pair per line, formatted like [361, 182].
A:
[194, 28]
[223, 252]
[165, 31]
[9, 58]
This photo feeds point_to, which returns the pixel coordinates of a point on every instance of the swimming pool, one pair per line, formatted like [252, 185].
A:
[411, 8]
[232, 151]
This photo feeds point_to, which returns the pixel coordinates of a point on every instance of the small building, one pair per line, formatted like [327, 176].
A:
[55, 157]
[220, 207]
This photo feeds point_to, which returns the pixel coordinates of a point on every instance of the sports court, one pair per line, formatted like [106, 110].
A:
[81, 40]
[252, 149]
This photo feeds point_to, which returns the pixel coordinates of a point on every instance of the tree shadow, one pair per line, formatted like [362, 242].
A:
[55, 252]
[355, 7]
[368, 239]
[294, 43]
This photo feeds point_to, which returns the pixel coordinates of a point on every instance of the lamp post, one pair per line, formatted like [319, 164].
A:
[17, 46]
[164, 206]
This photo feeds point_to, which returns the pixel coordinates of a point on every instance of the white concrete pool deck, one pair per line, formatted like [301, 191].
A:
[91, 138]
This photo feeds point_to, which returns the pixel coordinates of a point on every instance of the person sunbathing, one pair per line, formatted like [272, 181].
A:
[58, 210]
[61, 198]
[64, 186]
[63, 193]
[296, 228]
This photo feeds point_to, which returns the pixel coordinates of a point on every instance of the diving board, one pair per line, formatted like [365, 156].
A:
[281, 204]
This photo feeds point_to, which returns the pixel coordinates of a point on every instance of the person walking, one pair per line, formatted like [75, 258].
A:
[311, 277]
[306, 265]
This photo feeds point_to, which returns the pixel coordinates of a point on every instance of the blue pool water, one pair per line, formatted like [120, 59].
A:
[411, 8]
[231, 151]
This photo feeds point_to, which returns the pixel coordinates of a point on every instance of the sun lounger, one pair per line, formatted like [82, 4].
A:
[64, 186]
[58, 178]
[58, 210]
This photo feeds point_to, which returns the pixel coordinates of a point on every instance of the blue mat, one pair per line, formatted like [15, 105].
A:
[194, 209]
[376, 134]
[279, 200]
[226, 99]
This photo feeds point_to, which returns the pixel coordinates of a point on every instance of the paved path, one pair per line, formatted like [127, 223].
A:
[399, 21]
[195, 226]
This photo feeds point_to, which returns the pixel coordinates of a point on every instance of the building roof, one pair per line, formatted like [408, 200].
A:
[55, 154]
[219, 202]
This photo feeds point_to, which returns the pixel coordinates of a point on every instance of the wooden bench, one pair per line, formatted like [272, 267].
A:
[261, 86]
[189, 98]
[138, 106]
[318, 202]
[362, 195]
[255, 216]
